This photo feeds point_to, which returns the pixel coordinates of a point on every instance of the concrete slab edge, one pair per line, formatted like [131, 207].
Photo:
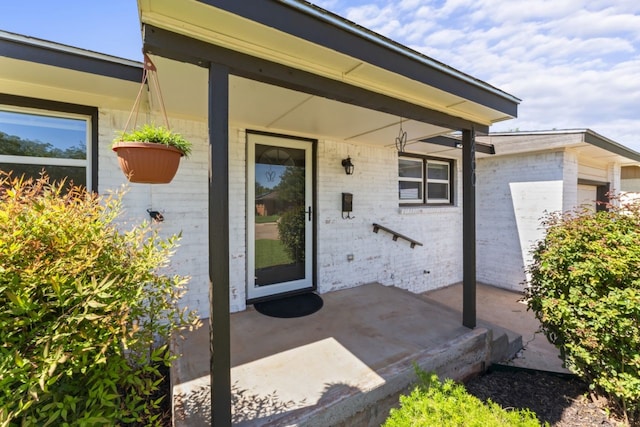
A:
[459, 359]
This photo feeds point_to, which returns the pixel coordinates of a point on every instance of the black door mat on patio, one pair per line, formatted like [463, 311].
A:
[289, 307]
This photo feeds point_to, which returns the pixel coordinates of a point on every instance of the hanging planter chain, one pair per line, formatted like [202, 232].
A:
[152, 153]
[149, 76]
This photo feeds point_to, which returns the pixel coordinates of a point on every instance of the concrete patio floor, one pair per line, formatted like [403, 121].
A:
[347, 363]
[504, 308]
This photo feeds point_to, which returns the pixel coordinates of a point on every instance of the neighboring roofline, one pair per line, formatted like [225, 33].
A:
[590, 137]
[17, 46]
[309, 22]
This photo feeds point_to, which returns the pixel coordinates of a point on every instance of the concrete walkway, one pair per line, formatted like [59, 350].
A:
[346, 364]
[506, 309]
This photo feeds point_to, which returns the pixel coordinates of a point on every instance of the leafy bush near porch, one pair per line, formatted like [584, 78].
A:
[585, 290]
[447, 404]
[84, 310]
[291, 232]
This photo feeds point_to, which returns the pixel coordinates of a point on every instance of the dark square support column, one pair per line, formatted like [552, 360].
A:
[469, 228]
[219, 320]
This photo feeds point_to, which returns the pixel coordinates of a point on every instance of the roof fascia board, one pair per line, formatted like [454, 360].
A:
[369, 47]
[611, 146]
[158, 41]
[27, 49]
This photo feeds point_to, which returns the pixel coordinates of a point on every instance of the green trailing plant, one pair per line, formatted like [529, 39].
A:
[85, 309]
[448, 404]
[585, 290]
[156, 135]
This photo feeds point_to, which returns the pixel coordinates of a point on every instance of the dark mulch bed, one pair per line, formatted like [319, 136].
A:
[560, 400]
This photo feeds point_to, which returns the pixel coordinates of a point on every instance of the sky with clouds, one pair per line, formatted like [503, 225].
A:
[574, 63]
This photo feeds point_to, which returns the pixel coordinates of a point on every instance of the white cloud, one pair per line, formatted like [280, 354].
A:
[574, 63]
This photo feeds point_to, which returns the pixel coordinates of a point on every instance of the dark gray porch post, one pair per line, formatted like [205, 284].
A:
[469, 228]
[219, 322]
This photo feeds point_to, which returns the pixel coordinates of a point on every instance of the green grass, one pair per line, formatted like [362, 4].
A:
[270, 253]
[264, 219]
[448, 404]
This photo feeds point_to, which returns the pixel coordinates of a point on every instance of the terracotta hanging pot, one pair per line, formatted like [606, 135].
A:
[148, 162]
[150, 154]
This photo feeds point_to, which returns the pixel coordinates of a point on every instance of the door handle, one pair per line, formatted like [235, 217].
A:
[309, 212]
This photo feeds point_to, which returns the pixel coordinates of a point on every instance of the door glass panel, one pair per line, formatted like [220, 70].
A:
[279, 214]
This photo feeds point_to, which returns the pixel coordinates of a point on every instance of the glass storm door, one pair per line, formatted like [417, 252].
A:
[279, 215]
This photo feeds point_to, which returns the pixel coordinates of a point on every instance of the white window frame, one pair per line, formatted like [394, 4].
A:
[53, 161]
[447, 181]
[424, 180]
[408, 179]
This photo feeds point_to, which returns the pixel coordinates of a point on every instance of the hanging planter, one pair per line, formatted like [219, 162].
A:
[150, 154]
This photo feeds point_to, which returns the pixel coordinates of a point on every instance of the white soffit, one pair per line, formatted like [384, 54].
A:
[25, 78]
[218, 27]
[256, 105]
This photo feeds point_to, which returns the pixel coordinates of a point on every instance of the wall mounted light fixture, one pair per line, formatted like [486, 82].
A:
[155, 215]
[348, 166]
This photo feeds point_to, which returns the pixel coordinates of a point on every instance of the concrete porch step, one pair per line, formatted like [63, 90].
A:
[344, 365]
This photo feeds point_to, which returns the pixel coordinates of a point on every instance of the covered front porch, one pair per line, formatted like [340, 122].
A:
[347, 363]
[293, 69]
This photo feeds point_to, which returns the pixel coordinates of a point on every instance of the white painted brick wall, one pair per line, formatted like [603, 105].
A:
[377, 257]
[183, 202]
[570, 180]
[614, 172]
[513, 193]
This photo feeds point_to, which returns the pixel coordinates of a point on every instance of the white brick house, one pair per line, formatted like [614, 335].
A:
[260, 85]
[533, 173]
[347, 252]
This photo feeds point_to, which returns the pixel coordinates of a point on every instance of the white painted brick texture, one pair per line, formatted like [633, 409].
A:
[183, 202]
[512, 195]
[377, 257]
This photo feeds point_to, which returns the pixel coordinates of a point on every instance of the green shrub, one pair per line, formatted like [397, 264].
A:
[585, 290]
[84, 310]
[291, 227]
[447, 404]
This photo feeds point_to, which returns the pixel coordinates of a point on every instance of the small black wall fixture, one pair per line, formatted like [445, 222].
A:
[155, 215]
[348, 166]
[347, 205]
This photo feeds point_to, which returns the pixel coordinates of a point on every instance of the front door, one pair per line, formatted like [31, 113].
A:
[279, 215]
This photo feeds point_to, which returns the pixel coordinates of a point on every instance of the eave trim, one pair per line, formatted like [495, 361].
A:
[57, 55]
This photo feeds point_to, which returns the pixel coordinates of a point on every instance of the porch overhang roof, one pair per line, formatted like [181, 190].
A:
[301, 36]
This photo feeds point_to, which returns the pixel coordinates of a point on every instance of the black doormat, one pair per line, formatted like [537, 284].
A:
[288, 307]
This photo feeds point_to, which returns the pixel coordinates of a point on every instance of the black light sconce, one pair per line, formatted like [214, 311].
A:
[155, 215]
[348, 166]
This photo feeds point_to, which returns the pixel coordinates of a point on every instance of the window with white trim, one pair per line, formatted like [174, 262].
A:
[423, 180]
[33, 140]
